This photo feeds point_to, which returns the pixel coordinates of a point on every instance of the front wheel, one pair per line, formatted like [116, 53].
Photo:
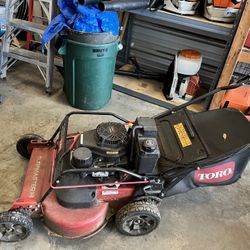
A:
[23, 143]
[138, 218]
[15, 226]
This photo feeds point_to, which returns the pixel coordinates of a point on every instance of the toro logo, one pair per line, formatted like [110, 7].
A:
[215, 174]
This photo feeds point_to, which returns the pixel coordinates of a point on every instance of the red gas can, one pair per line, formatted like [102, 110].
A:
[247, 43]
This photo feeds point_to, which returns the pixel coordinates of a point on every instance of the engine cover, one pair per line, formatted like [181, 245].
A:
[102, 147]
[76, 197]
[111, 134]
[108, 140]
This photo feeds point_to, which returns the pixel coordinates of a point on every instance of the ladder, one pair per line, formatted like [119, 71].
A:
[9, 54]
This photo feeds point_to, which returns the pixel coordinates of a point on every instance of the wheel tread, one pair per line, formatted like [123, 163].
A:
[134, 207]
[19, 218]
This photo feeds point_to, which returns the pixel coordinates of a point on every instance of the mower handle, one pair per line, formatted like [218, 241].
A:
[66, 120]
[96, 113]
[238, 83]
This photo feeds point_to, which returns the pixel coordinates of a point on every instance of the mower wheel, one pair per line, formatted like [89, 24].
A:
[14, 226]
[151, 199]
[23, 142]
[138, 218]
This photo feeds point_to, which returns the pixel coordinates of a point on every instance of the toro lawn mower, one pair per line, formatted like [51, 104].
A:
[76, 182]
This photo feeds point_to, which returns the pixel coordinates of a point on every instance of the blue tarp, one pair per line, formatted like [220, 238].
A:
[2, 21]
[84, 18]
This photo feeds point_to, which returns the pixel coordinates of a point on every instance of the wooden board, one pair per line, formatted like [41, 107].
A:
[244, 56]
[149, 88]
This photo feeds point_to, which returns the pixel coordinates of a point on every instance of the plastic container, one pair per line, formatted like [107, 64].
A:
[187, 5]
[89, 65]
[188, 62]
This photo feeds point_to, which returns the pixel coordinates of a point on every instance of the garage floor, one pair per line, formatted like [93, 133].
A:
[211, 218]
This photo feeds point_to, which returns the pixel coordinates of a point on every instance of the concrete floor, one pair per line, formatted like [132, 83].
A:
[210, 218]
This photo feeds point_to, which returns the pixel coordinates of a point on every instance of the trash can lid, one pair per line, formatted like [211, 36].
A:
[91, 37]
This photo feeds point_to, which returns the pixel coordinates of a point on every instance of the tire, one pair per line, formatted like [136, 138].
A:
[23, 142]
[138, 218]
[149, 199]
[15, 226]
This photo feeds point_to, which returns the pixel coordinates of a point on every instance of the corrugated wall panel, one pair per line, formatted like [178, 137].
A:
[155, 43]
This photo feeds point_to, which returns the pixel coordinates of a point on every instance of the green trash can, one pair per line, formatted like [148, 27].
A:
[89, 65]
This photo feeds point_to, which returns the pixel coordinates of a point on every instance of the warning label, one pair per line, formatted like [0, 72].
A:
[110, 190]
[182, 135]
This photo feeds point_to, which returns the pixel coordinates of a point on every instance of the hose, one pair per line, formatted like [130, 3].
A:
[159, 77]
[122, 5]
[125, 5]
[85, 2]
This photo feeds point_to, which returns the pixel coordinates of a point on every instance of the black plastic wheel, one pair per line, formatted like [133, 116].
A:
[23, 142]
[137, 218]
[15, 226]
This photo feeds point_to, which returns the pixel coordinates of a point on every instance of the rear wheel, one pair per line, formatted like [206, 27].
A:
[23, 142]
[138, 218]
[15, 226]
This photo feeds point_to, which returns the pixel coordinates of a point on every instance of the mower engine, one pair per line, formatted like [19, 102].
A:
[103, 147]
[106, 147]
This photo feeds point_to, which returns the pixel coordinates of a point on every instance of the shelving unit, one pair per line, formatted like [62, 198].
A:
[216, 35]
[196, 24]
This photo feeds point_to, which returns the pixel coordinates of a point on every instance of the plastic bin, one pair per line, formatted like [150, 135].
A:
[89, 65]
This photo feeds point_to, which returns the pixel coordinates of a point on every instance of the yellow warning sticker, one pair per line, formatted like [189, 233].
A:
[182, 134]
[112, 152]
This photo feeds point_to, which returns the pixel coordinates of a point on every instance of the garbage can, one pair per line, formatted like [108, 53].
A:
[89, 65]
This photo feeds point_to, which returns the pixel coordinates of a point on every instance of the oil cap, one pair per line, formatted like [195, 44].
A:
[82, 157]
[149, 145]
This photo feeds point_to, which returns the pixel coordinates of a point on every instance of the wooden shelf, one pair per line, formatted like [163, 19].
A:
[149, 89]
[201, 19]
[196, 24]
[244, 55]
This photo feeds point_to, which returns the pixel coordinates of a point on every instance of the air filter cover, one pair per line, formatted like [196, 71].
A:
[111, 134]
[82, 157]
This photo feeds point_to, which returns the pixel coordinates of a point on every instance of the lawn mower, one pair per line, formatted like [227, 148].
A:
[77, 181]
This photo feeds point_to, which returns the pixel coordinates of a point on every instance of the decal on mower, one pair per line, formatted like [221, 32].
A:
[35, 177]
[182, 135]
[215, 174]
[112, 152]
[110, 190]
